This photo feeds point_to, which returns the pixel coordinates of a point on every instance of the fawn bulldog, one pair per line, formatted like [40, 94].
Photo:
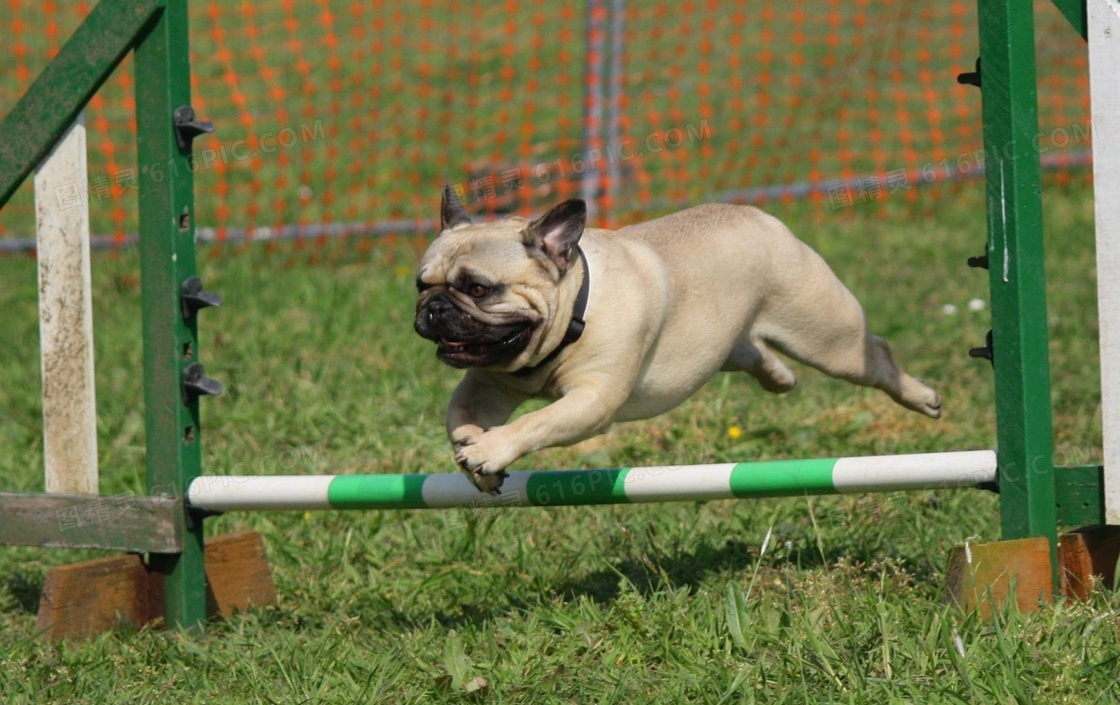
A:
[627, 324]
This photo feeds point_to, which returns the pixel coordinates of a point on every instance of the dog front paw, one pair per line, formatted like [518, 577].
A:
[484, 461]
[490, 484]
[466, 435]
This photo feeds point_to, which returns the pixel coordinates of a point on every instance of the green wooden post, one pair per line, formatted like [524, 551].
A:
[1016, 272]
[34, 125]
[167, 259]
[1074, 11]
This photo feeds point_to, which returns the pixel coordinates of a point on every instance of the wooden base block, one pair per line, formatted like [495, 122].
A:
[1089, 552]
[88, 598]
[95, 596]
[990, 575]
[237, 575]
[987, 576]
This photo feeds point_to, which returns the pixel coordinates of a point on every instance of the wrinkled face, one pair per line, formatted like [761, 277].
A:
[482, 297]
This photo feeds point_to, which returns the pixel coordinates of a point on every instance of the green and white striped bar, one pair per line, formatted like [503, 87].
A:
[680, 483]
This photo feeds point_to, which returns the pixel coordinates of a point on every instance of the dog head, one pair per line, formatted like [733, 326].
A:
[497, 294]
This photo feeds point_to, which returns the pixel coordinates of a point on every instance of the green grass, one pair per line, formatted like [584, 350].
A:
[654, 604]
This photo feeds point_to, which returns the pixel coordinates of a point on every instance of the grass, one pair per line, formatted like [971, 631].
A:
[803, 600]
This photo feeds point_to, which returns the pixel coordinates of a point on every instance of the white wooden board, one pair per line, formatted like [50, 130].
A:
[1104, 85]
[66, 317]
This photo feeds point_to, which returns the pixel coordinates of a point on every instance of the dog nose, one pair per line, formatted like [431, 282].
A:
[438, 306]
[432, 313]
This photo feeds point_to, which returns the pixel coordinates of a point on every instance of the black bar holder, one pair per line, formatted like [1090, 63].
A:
[194, 298]
[972, 78]
[980, 261]
[984, 351]
[188, 126]
[196, 383]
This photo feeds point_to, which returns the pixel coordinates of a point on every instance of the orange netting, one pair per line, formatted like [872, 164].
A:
[345, 117]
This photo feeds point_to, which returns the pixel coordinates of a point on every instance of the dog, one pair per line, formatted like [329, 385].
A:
[622, 325]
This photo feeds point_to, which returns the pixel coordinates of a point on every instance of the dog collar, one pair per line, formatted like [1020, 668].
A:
[575, 327]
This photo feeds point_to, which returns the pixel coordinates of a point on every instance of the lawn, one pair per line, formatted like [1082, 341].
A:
[805, 600]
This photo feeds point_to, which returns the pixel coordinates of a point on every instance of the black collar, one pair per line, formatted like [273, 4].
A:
[575, 327]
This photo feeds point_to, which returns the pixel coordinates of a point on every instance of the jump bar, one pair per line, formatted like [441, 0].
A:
[679, 483]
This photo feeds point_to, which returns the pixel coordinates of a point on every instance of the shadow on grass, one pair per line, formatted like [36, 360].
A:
[26, 588]
[651, 574]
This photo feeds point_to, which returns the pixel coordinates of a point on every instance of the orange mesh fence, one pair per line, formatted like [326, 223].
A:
[846, 103]
[346, 118]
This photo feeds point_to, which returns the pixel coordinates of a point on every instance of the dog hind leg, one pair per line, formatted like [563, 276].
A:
[836, 341]
[759, 361]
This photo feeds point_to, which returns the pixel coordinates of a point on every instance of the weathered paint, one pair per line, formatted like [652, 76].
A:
[66, 317]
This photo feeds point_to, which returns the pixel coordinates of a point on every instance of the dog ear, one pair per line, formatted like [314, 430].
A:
[451, 211]
[556, 232]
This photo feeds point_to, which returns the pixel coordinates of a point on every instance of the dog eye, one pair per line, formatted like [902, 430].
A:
[478, 291]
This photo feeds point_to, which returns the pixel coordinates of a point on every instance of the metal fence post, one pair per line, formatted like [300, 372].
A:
[1016, 271]
[617, 43]
[167, 260]
[591, 180]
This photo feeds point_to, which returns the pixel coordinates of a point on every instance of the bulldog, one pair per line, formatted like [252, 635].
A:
[627, 324]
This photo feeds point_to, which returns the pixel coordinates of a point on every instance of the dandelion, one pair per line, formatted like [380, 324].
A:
[734, 433]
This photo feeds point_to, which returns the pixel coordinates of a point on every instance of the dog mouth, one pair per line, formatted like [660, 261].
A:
[479, 353]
